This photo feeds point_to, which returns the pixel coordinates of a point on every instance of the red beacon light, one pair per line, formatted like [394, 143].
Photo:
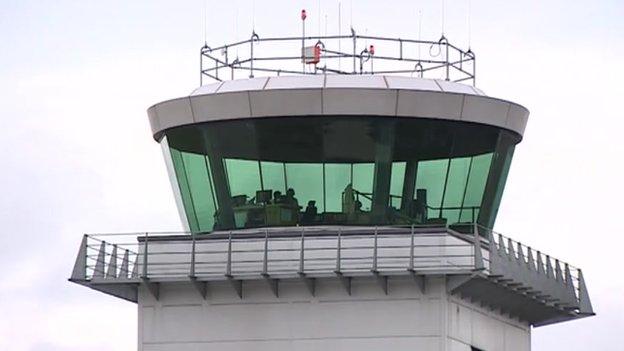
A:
[304, 15]
[371, 49]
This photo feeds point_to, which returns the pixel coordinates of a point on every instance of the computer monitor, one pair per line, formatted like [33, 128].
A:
[263, 196]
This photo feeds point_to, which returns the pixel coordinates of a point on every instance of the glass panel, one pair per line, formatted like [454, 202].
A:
[430, 179]
[499, 170]
[475, 187]
[337, 178]
[396, 184]
[307, 182]
[185, 191]
[200, 187]
[273, 176]
[175, 184]
[455, 187]
[363, 175]
[243, 177]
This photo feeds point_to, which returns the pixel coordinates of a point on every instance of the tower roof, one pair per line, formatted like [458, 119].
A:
[331, 95]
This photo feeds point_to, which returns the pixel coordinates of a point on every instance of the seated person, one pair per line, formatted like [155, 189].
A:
[278, 198]
[290, 198]
[309, 215]
[358, 206]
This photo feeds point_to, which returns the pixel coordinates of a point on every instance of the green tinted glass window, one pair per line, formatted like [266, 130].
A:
[307, 182]
[475, 186]
[243, 177]
[455, 188]
[337, 178]
[185, 190]
[274, 176]
[431, 176]
[329, 170]
[396, 184]
[363, 175]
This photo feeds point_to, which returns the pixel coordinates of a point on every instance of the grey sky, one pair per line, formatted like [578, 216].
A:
[77, 154]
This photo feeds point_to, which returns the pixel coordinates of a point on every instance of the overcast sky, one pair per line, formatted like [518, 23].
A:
[76, 155]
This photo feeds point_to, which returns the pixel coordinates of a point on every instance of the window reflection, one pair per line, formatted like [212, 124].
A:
[340, 170]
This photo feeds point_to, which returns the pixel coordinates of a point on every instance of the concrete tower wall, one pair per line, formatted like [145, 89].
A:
[405, 319]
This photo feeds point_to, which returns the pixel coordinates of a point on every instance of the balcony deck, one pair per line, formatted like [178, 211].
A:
[482, 266]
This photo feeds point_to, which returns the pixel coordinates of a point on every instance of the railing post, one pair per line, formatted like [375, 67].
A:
[411, 261]
[251, 62]
[228, 267]
[354, 48]
[478, 255]
[301, 252]
[201, 67]
[254, 37]
[338, 249]
[145, 248]
[375, 251]
[474, 71]
[448, 75]
[265, 262]
[192, 273]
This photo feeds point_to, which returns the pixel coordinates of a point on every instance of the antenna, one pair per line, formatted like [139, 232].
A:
[236, 25]
[319, 18]
[469, 24]
[419, 31]
[205, 21]
[253, 15]
[351, 10]
[340, 34]
[443, 14]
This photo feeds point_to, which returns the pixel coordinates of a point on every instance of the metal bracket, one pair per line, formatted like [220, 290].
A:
[273, 283]
[456, 281]
[100, 262]
[309, 282]
[418, 279]
[345, 281]
[80, 266]
[236, 284]
[153, 288]
[200, 286]
[585, 306]
[382, 280]
[125, 262]
[111, 272]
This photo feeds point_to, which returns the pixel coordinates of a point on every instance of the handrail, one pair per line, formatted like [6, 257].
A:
[382, 55]
[343, 251]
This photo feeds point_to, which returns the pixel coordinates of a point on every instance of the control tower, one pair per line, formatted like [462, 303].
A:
[335, 200]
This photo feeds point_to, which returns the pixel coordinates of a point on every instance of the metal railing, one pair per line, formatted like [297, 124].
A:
[275, 56]
[318, 252]
[518, 262]
[262, 252]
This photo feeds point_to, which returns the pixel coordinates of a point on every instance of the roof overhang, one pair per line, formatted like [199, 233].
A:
[333, 95]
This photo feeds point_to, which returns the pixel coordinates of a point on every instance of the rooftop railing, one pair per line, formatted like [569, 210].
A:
[352, 54]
